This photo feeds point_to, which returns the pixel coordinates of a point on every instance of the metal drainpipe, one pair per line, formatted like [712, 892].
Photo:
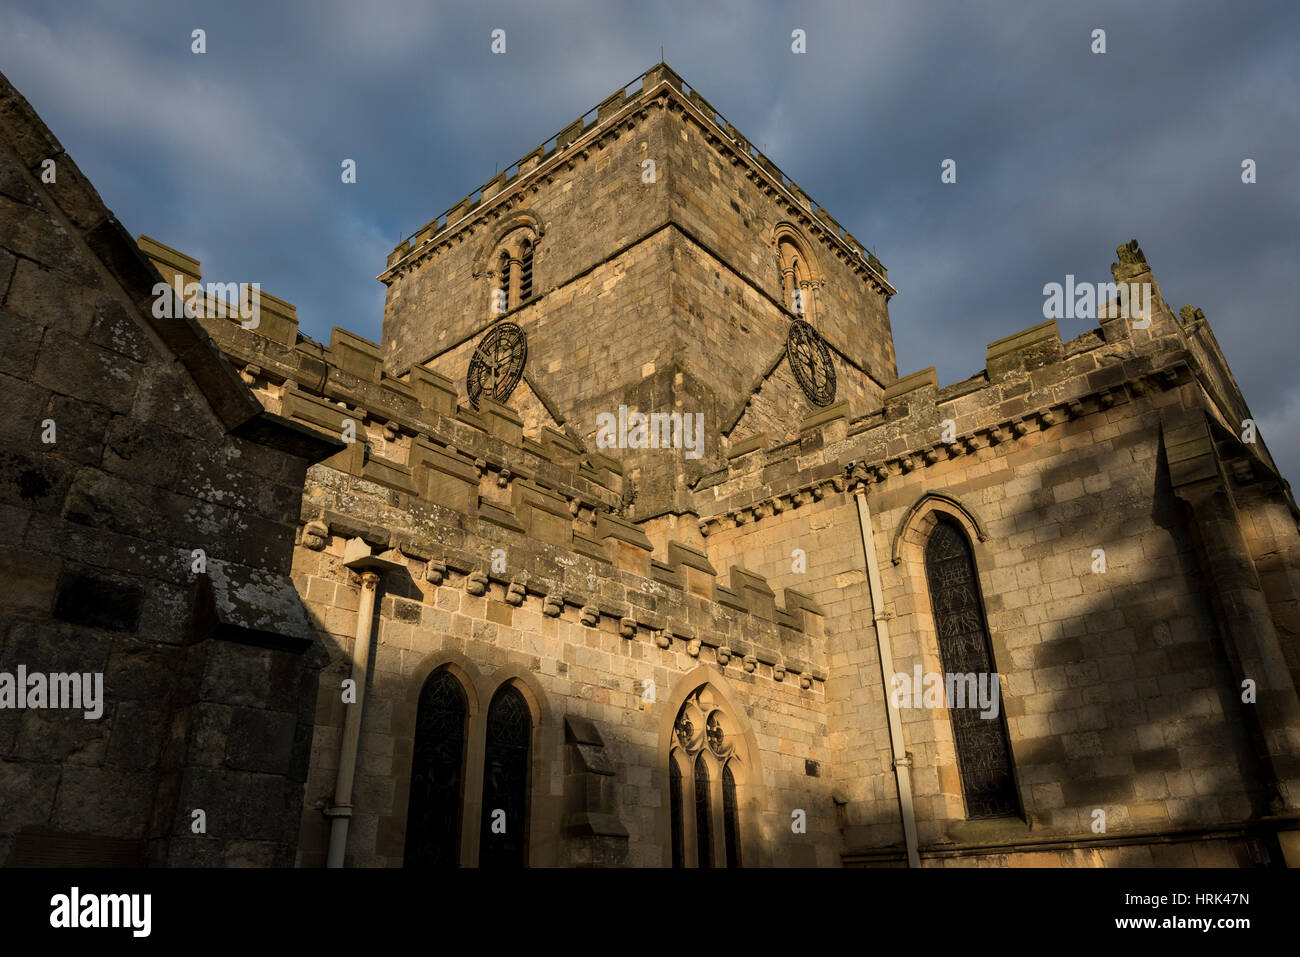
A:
[340, 813]
[902, 760]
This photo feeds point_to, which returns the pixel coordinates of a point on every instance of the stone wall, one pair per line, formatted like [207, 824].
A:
[147, 513]
[586, 202]
[569, 669]
[728, 205]
[581, 611]
[1101, 482]
[1119, 692]
[661, 295]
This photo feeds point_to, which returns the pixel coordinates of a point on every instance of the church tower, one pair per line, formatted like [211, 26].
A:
[646, 259]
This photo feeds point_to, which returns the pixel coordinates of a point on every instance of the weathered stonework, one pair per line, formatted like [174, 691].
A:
[148, 506]
[732, 621]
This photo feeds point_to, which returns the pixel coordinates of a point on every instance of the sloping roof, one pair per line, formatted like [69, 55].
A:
[86, 216]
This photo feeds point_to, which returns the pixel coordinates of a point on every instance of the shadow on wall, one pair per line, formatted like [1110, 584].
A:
[1126, 703]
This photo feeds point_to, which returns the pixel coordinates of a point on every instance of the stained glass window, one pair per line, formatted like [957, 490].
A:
[503, 841]
[983, 750]
[703, 815]
[437, 765]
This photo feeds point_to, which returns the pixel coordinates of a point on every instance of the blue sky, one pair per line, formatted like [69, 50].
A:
[233, 156]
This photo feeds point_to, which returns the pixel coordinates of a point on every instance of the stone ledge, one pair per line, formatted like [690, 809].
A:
[911, 382]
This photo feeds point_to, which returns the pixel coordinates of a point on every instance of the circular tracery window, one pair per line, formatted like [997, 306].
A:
[497, 364]
[810, 361]
[701, 724]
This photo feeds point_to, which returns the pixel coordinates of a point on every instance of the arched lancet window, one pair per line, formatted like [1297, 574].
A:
[501, 284]
[437, 774]
[705, 764]
[675, 810]
[983, 749]
[512, 271]
[526, 271]
[703, 815]
[504, 838]
[730, 823]
[796, 286]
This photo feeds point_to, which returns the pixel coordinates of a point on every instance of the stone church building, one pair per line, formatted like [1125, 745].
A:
[627, 545]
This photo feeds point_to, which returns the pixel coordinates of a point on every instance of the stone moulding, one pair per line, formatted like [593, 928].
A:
[937, 495]
[751, 609]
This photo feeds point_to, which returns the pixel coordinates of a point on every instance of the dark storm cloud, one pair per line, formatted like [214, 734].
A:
[233, 156]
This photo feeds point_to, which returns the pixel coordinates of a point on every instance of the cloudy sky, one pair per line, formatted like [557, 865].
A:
[233, 156]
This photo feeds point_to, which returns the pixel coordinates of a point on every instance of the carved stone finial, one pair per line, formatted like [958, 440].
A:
[1130, 253]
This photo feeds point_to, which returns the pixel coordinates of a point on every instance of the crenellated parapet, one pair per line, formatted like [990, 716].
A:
[1033, 381]
[403, 427]
[679, 603]
[452, 487]
[657, 88]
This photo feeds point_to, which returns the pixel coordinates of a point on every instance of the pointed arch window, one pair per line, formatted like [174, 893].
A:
[675, 811]
[437, 773]
[730, 821]
[983, 747]
[703, 815]
[501, 284]
[796, 286]
[526, 271]
[503, 841]
[512, 272]
[705, 764]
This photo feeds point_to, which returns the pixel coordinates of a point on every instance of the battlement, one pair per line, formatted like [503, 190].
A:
[680, 603]
[327, 386]
[1032, 382]
[585, 132]
[420, 465]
